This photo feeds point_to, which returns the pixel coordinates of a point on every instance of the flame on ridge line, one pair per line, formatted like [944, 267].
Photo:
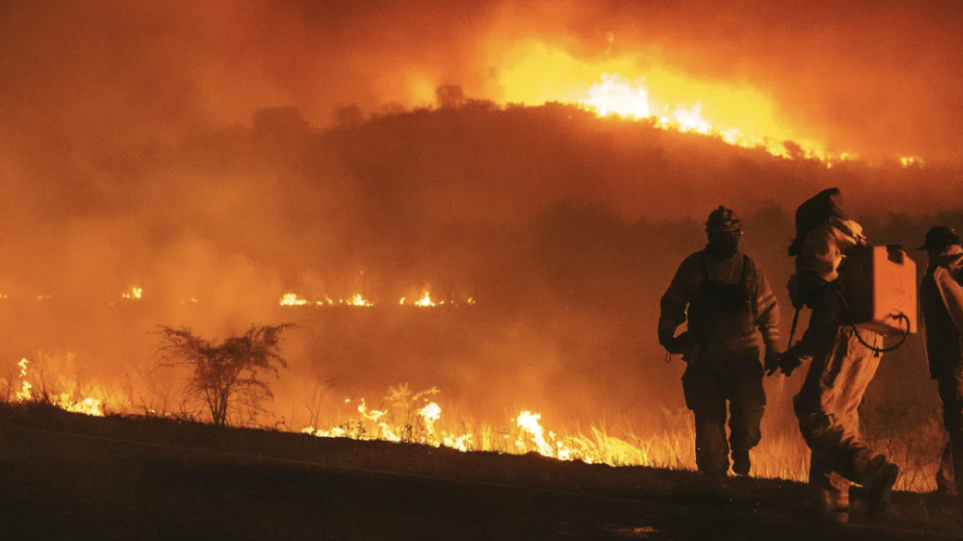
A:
[630, 82]
[614, 95]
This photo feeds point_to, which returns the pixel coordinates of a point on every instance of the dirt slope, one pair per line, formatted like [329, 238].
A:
[68, 476]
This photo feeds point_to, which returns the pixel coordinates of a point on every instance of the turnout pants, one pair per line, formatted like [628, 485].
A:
[949, 479]
[827, 410]
[708, 384]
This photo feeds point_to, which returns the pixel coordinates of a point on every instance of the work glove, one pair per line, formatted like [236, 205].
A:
[671, 344]
[788, 362]
[689, 346]
[771, 361]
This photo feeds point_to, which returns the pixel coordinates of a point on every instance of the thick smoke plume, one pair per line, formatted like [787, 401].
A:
[232, 152]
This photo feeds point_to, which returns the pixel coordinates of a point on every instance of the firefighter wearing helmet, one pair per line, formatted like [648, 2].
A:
[724, 297]
[842, 362]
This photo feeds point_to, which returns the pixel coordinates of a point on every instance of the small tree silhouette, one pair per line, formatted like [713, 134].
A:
[449, 96]
[227, 376]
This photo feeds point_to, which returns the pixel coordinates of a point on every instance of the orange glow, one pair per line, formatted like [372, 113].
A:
[57, 390]
[133, 293]
[358, 300]
[404, 416]
[291, 299]
[911, 161]
[425, 301]
[527, 435]
[739, 114]
[24, 393]
[616, 96]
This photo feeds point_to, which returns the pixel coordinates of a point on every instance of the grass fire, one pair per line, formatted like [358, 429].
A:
[480, 270]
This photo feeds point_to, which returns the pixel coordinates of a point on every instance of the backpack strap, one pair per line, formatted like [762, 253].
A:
[744, 279]
[744, 284]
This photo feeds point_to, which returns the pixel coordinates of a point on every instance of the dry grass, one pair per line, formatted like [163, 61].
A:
[912, 438]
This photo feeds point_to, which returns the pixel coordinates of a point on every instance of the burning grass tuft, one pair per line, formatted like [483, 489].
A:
[910, 437]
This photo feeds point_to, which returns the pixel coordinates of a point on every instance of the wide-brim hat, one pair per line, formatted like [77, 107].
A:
[939, 237]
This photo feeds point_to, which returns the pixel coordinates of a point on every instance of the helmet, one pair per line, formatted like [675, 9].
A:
[724, 220]
[814, 212]
[939, 238]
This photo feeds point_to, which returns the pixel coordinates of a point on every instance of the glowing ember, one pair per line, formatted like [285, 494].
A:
[358, 300]
[64, 400]
[87, 406]
[909, 161]
[460, 443]
[425, 301]
[24, 393]
[372, 415]
[528, 422]
[430, 414]
[134, 293]
[291, 299]
[397, 423]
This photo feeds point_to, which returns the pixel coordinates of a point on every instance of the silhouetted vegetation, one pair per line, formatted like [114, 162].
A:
[226, 376]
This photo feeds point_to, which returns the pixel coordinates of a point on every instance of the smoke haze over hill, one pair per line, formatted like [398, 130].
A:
[878, 80]
[211, 151]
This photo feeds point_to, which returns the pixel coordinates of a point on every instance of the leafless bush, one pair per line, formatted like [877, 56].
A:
[224, 377]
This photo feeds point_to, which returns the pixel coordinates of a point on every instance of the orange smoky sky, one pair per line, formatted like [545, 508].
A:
[876, 79]
[236, 151]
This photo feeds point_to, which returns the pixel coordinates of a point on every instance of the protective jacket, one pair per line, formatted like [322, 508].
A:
[841, 368]
[822, 253]
[727, 299]
[823, 249]
[941, 306]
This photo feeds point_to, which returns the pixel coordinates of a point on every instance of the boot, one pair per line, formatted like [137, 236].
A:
[829, 507]
[741, 464]
[883, 476]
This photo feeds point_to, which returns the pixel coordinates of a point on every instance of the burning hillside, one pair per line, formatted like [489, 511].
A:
[496, 195]
[564, 225]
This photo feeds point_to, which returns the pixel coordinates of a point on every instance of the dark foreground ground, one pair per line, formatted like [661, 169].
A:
[66, 476]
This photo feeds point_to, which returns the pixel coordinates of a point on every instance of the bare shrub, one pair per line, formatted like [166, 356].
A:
[226, 377]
